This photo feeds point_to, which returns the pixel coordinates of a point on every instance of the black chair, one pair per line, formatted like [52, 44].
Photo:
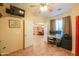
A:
[66, 42]
[51, 40]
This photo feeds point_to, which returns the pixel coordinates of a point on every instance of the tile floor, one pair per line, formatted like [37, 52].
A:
[41, 48]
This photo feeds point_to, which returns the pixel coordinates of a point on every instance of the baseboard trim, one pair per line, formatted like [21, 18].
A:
[29, 46]
[5, 54]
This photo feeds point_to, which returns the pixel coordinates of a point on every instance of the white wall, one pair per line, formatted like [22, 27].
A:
[28, 32]
[11, 38]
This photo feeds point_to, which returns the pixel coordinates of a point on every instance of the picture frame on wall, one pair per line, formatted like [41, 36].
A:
[14, 23]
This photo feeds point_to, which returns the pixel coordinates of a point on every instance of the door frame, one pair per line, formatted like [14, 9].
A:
[23, 34]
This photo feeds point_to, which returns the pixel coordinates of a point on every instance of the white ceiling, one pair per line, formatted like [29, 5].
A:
[58, 8]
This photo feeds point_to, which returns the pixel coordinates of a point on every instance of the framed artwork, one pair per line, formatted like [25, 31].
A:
[14, 24]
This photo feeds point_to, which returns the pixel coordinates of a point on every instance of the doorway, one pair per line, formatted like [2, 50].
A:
[39, 35]
[38, 30]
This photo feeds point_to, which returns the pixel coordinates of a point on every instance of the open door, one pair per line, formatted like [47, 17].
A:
[77, 36]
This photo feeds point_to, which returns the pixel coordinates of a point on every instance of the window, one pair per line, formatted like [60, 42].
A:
[59, 25]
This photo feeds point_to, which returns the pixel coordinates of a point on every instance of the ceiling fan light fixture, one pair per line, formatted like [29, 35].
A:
[43, 8]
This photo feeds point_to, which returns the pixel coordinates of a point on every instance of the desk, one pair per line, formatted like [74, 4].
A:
[57, 37]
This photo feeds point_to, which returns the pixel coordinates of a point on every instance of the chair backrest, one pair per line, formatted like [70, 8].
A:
[66, 36]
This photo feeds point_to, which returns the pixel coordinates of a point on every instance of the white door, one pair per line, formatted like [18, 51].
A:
[28, 33]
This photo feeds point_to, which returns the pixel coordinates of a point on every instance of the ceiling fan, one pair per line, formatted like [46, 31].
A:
[42, 7]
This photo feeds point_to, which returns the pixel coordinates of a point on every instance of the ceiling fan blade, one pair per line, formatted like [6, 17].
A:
[33, 6]
[50, 9]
